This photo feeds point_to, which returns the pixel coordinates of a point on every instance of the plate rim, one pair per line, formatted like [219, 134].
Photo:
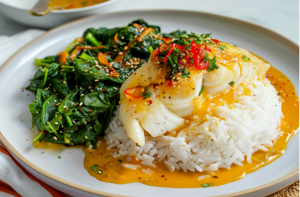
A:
[293, 46]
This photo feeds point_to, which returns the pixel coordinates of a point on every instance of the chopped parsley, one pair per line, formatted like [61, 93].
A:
[206, 184]
[232, 83]
[246, 58]
[146, 94]
[119, 160]
[212, 63]
[95, 167]
[59, 157]
[223, 47]
[202, 89]
[185, 73]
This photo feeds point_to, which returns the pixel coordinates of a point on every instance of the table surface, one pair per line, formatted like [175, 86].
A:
[277, 15]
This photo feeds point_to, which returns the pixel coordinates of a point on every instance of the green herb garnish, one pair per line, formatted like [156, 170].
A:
[212, 63]
[206, 184]
[232, 83]
[223, 47]
[202, 89]
[147, 94]
[185, 73]
[95, 167]
[59, 157]
[246, 58]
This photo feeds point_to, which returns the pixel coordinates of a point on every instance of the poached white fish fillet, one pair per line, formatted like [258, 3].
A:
[152, 105]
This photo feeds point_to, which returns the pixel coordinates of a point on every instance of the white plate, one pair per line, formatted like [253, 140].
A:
[18, 10]
[68, 173]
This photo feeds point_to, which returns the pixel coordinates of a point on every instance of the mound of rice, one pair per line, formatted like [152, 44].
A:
[228, 135]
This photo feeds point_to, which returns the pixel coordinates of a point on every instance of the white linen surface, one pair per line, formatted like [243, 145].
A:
[10, 173]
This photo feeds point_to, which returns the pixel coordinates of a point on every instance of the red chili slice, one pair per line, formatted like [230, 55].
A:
[127, 91]
[170, 83]
[168, 54]
[215, 40]
[206, 48]
[205, 64]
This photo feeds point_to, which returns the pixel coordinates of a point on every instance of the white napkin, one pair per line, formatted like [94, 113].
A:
[11, 44]
[10, 173]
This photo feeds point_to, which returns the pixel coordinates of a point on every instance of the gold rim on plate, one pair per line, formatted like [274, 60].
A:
[291, 44]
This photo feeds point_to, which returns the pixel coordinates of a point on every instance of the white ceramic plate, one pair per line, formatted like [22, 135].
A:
[18, 10]
[68, 174]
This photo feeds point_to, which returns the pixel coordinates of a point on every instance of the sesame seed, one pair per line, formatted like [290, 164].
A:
[96, 79]
[91, 72]
[47, 102]
[55, 101]
[114, 88]
[55, 137]
[43, 151]
[81, 103]
[120, 53]
[85, 122]
[86, 137]
[64, 82]
[27, 139]
[82, 95]
[56, 123]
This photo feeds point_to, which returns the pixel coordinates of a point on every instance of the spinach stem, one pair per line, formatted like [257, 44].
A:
[45, 77]
[44, 110]
[69, 121]
[88, 143]
[66, 139]
[52, 128]
[38, 137]
[92, 39]
[85, 56]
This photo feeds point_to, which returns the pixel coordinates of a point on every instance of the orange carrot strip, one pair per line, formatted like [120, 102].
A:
[79, 48]
[102, 59]
[63, 57]
[145, 33]
[116, 38]
[136, 25]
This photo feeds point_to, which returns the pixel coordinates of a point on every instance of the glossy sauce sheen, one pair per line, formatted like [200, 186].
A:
[72, 4]
[114, 172]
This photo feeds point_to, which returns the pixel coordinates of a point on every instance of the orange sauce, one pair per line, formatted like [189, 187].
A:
[114, 171]
[73, 4]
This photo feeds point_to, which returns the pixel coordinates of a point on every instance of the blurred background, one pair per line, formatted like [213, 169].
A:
[277, 15]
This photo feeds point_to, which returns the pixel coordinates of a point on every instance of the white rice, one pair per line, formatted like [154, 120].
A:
[228, 135]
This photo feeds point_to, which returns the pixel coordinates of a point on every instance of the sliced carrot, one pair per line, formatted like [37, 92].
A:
[116, 38]
[63, 57]
[119, 58]
[166, 40]
[103, 60]
[145, 33]
[136, 25]
[80, 48]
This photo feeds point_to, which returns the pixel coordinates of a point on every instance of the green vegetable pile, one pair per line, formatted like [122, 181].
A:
[75, 101]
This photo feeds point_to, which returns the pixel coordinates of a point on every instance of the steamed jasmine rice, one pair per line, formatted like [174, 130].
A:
[229, 134]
